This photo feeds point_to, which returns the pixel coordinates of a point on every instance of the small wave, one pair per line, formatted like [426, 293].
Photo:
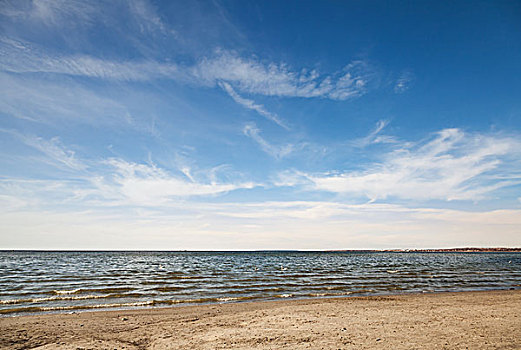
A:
[72, 291]
[335, 287]
[175, 273]
[154, 282]
[177, 276]
[41, 300]
[227, 299]
[201, 300]
[75, 307]
[327, 294]
[284, 295]
[73, 298]
[392, 271]
[183, 301]
[94, 290]
[167, 289]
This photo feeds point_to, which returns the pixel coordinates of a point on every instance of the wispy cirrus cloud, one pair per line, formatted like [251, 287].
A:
[111, 182]
[225, 69]
[375, 136]
[262, 225]
[73, 13]
[250, 104]
[403, 82]
[45, 101]
[275, 151]
[148, 18]
[51, 12]
[145, 184]
[54, 150]
[20, 193]
[452, 165]
[254, 77]
[21, 57]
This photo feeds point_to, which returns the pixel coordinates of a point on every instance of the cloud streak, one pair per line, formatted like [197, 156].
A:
[45, 101]
[269, 225]
[19, 57]
[55, 150]
[224, 69]
[404, 82]
[278, 152]
[250, 104]
[149, 185]
[51, 13]
[375, 136]
[110, 182]
[452, 165]
[253, 77]
[71, 13]
[147, 17]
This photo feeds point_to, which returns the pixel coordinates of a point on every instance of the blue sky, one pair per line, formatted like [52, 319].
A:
[234, 125]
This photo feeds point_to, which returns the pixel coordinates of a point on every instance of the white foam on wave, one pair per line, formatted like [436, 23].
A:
[72, 291]
[41, 300]
[98, 306]
[227, 299]
[285, 295]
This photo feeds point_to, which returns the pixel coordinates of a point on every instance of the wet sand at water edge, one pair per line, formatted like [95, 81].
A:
[473, 320]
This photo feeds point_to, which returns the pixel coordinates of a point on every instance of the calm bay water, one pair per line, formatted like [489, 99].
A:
[67, 281]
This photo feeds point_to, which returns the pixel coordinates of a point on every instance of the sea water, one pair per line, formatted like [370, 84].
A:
[36, 282]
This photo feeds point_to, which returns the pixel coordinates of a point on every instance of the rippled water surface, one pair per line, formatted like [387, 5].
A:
[61, 281]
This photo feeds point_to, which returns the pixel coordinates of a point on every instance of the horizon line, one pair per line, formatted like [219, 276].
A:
[455, 249]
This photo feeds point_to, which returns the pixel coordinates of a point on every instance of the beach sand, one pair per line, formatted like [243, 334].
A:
[473, 320]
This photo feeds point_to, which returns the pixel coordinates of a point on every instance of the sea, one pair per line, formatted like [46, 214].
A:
[49, 282]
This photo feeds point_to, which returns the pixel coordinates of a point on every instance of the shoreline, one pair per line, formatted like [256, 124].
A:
[478, 319]
[144, 305]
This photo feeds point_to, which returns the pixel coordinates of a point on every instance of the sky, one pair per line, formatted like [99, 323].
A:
[246, 125]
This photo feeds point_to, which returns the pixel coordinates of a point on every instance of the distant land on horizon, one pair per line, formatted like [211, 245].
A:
[443, 250]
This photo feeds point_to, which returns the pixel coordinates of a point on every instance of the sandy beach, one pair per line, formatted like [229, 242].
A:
[474, 320]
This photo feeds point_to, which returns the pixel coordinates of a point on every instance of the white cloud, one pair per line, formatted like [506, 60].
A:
[290, 178]
[450, 166]
[403, 82]
[20, 57]
[55, 150]
[44, 101]
[111, 182]
[252, 105]
[277, 152]
[147, 17]
[231, 72]
[24, 194]
[120, 185]
[152, 208]
[56, 12]
[375, 136]
[268, 225]
[142, 184]
[71, 13]
[252, 76]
